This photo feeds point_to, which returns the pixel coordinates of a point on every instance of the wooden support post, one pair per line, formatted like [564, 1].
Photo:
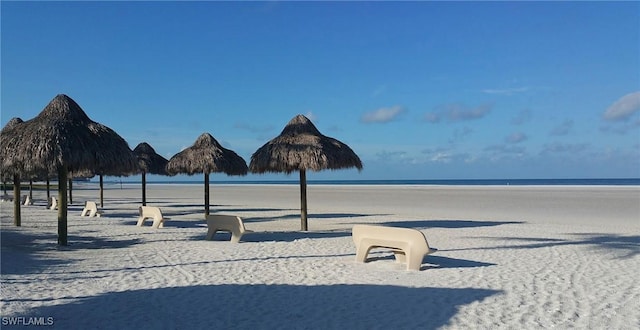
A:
[144, 189]
[303, 200]
[16, 201]
[206, 194]
[62, 206]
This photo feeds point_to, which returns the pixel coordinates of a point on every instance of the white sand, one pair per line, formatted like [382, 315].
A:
[509, 258]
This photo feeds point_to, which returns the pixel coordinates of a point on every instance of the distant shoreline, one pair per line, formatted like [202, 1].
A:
[471, 182]
[457, 182]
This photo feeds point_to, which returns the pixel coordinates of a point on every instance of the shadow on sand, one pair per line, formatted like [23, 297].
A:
[425, 224]
[433, 261]
[289, 236]
[29, 246]
[310, 216]
[262, 306]
[32, 245]
[274, 236]
[625, 246]
[248, 209]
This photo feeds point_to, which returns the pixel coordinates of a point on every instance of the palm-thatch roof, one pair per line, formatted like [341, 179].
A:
[62, 135]
[12, 123]
[301, 146]
[63, 139]
[206, 156]
[149, 162]
[11, 173]
[7, 173]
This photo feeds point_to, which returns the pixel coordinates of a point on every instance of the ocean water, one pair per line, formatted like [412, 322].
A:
[472, 182]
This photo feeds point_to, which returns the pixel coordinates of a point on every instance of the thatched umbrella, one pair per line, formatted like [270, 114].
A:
[149, 162]
[206, 156]
[10, 174]
[115, 171]
[62, 139]
[7, 172]
[301, 147]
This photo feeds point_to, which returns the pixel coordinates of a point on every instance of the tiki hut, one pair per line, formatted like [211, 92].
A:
[206, 156]
[9, 172]
[63, 139]
[301, 147]
[6, 173]
[120, 171]
[149, 162]
[38, 175]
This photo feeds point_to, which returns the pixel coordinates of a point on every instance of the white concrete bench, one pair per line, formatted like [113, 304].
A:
[229, 223]
[9, 198]
[151, 212]
[90, 209]
[408, 245]
[53, 203]
[26, 200]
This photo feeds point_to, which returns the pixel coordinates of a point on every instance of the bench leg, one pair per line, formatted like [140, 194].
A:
[210, 233]
[362, 252]
[414, 261]
[235, 236]
[140, 222]
[84, 212]
[401, 257]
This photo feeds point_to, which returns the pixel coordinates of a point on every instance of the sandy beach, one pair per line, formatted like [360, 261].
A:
[509, 257]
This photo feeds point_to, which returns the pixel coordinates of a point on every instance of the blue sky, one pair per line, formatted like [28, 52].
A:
[419, 90]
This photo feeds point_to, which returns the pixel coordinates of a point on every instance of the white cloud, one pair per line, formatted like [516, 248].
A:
[571, 148]
[443, 155]
[623, 108]
[621, 129]
[563, 128]
[457, 112]
[516, 137]
[506, 91]
[385, 154]
[398, 156]
[504, 152]
[460, 134]
[435, 150]
[383, 115]
[505, 149]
